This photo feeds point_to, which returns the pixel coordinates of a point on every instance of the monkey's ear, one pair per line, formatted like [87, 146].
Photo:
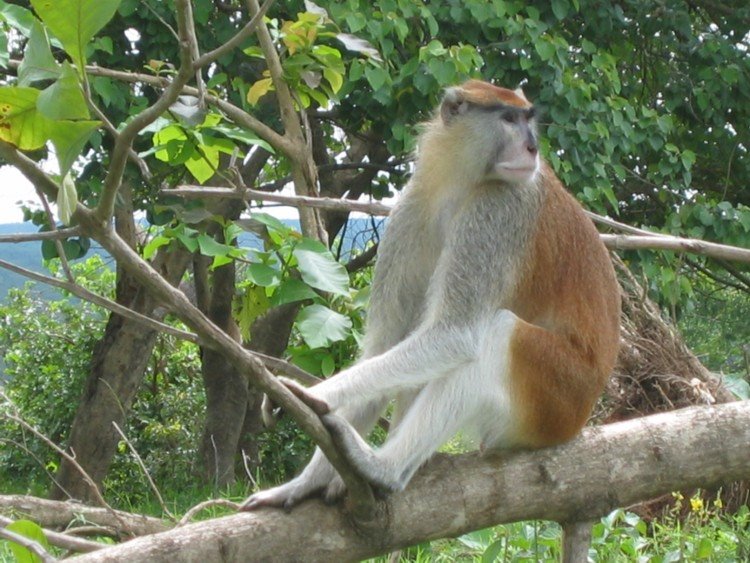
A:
[519, 92]
[454, 104]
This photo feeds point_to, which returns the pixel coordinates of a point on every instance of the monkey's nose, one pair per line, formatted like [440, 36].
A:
[532, 148]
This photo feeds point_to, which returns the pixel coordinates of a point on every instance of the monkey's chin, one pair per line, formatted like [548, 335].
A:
[515, 173]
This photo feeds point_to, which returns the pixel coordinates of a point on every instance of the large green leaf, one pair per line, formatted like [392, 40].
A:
[64, 99]
[69, 137]
[75, 22]
[20, 18]
[321, 271]
[20, 122]
[320, 326]
[30, 530]
[38, 62]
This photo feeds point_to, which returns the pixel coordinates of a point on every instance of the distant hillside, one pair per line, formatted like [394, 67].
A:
[29, 255]
[24, 254]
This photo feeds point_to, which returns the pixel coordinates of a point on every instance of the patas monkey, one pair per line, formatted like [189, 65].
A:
[494, 308]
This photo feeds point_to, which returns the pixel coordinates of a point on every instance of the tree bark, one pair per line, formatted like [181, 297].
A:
[606, 467]
[226, 388]
[117, 367]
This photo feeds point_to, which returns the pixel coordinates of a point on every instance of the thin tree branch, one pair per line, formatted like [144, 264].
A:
[239, 116]
[190, 514]
[333, 204]
[650, 241]
[97, 495]
[676, 244]
[145, 471]
[45, 235]
[125, 139]
[29, 544]
[108, 304]
[236, 41]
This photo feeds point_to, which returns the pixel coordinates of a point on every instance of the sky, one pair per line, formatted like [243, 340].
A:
[13, 187]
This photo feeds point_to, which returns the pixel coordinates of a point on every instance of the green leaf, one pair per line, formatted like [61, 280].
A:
[209, 247]
[545, 48]
[69, 137]
[20, 122]
[32, 531]
[376, 76]
[321, 271]
[335, 79]
[63, 99]
[263, 275]
[560, 8]
[38, 62]
[67, 198]
[154, 244]
[75, 22]
[244, 136]
[254, 303]
[292, 290]
[320, 326]
[20, 18]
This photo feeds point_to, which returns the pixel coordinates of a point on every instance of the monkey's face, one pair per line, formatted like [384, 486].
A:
[516, 158]
[495, 129]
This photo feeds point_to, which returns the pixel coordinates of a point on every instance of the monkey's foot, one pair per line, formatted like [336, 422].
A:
[318, 406]
[285, 496]
[376, 471]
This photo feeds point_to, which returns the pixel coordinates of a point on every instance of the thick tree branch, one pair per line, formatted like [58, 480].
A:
[606, 467]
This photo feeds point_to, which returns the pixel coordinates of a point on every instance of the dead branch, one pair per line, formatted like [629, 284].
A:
[67, 514]
[606, 467]
[63, 540]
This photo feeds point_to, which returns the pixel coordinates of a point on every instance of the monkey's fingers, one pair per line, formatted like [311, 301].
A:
[318, 406]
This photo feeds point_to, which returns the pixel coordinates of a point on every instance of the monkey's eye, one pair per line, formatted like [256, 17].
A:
[509, 117]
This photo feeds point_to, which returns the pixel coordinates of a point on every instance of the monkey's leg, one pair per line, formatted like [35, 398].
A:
[427, 355]
[440, 410]
[319, 473]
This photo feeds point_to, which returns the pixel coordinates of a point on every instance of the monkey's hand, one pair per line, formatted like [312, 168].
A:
[377, 471]
[319, 406]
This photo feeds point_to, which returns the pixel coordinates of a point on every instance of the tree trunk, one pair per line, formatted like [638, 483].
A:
[226, 388]
[606, 467]
[117, 367]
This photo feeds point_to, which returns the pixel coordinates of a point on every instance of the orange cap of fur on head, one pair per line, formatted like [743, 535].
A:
[486, 94]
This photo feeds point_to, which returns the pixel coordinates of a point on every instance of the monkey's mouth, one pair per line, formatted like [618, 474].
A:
[516, 171]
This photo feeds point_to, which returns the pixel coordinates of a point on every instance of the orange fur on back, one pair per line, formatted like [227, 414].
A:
[568, 296]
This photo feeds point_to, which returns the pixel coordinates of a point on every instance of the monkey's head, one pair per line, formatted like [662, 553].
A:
[495, 129]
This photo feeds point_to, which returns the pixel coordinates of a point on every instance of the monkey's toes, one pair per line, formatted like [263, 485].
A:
[318, 406]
